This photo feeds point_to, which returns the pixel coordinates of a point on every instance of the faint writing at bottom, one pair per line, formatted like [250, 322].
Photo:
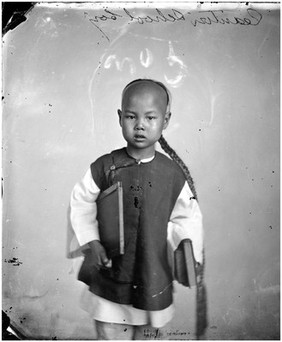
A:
[177, 333]
[160, 334]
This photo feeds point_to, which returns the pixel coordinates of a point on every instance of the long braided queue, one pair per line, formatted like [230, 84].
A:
[201, 288]
[174, 156]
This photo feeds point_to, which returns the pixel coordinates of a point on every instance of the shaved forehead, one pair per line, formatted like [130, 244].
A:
[143, 88]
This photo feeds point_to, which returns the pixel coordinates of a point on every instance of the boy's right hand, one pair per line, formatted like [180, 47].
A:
[99, 255]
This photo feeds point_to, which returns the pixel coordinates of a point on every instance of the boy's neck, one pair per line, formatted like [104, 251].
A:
[140, 154]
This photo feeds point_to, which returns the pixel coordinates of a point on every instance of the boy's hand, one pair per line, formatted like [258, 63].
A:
[99, 255]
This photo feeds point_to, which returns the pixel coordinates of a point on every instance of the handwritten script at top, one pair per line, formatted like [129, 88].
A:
[212, 17]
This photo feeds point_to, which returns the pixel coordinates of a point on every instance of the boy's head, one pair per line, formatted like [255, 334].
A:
[147, 85]
[144, 114]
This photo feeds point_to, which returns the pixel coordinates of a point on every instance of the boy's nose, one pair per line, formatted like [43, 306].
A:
[139, 125]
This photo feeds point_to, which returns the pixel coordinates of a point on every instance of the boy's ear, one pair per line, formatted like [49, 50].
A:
[119, 115]
[166, 120]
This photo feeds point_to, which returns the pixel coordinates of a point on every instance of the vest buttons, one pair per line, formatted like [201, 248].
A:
[113, 167]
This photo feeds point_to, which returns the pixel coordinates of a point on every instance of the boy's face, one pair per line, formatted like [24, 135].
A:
[143, 117]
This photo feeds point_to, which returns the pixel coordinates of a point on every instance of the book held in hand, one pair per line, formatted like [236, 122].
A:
[185, 264]
[110, 220]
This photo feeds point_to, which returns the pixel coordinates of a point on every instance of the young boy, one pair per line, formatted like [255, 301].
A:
[136, 289]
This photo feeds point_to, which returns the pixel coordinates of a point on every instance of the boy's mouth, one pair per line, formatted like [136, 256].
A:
[139, 137]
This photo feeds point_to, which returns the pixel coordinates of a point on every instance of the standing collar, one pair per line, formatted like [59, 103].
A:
[138, 161]
[145, 160]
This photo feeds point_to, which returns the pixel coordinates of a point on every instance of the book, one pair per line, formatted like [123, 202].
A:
[185, 264]
[110, 220]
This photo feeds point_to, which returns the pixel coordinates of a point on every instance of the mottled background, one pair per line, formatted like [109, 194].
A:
[62, 80]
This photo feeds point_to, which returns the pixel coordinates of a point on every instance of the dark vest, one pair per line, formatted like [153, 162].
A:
[141, 276]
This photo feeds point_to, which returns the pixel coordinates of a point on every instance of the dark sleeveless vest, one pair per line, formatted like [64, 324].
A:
[142, 276]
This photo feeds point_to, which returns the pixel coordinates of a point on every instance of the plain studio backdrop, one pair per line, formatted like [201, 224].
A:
[64, 69]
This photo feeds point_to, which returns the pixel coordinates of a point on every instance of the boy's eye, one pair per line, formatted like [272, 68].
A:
[131, 117]
[151, 117]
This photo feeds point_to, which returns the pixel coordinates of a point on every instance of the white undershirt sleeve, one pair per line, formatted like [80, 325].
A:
[84, 210]
[186, 223]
